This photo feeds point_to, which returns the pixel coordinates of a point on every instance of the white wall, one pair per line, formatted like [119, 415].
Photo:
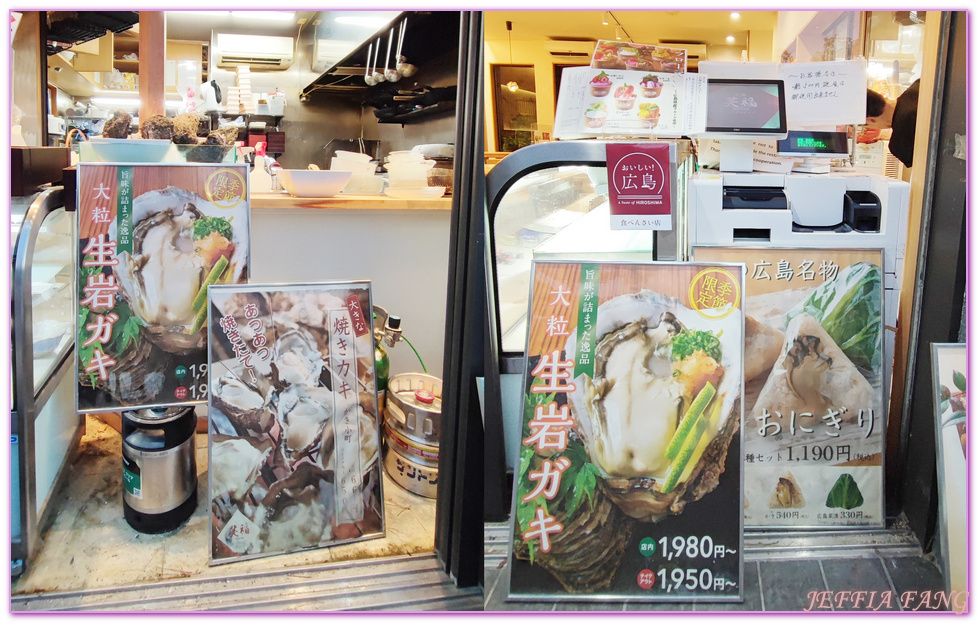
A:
[404, 253]
[790, 25]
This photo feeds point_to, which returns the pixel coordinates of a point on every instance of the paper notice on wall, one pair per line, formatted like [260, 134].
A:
[598, 102]
[825, 93]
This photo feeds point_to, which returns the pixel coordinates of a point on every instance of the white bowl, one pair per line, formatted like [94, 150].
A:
[357, 167]
[129, 149]
[305, 183]
[352, 155]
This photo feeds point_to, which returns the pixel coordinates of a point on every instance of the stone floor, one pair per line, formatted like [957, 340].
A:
[90, 547]
[773, 580]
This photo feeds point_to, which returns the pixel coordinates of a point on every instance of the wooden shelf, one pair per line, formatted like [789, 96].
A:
[283, 200]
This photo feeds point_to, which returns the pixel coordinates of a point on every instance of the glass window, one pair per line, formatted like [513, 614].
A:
[553, 213]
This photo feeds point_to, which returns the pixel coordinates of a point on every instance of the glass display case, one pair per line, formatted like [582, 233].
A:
[554, 205]
[44, 424]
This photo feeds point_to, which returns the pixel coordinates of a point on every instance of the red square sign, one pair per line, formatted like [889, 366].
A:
[639, 186]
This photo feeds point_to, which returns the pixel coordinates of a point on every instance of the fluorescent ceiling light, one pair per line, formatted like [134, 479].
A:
[370, 21]
[278, 16]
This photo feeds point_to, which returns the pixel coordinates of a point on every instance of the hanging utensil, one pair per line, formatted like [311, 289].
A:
[369, 79]
[376, 75]
[397, 54]
[405, 68]
[390, 74]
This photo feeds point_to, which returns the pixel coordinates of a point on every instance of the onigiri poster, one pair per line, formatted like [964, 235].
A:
[294, 435]
[629, 483]
[815, 416]
[152, 238]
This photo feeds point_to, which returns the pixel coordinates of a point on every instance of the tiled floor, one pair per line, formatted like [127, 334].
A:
[781, 582]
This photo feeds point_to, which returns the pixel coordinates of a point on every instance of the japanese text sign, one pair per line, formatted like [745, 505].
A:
[639, 186]
[152, 238]
[631, 395]
[293, 437]
[814, 400]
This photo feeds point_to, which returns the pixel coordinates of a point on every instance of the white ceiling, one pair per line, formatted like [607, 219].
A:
[708, 27]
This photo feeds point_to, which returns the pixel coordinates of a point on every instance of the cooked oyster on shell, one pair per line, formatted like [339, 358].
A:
[296, 512]
[303, 413]
[243, 404]
[296, 360]
[235, 466]
[631, 414]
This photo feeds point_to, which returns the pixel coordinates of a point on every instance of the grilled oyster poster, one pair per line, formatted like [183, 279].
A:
[151, 239]
[629, 481]
[293, 437]
[815, 418]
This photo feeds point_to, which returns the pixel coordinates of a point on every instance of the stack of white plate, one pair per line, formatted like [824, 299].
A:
[363, 180]
[407, 176]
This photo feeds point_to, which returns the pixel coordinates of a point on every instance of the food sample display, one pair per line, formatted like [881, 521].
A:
[814, 386]
[294, 427]
[631, 420]
[151, 239]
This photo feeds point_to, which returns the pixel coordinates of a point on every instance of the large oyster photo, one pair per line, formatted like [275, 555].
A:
[660, 411]
[632, 412]
[293, 407]
[177, 251]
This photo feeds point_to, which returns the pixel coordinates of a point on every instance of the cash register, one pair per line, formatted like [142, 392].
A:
[810, 206]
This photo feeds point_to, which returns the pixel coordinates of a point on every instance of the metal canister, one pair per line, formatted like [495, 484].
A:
[414, 406]
[159, 468]
[412, 428]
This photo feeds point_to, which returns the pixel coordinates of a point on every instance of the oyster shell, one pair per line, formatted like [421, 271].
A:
[235, 465]
[296, 512]
[164, 273]
[244, 405]
[303, 413]
[296, 360]
[586, 554]
[628, 413]
[138, 376]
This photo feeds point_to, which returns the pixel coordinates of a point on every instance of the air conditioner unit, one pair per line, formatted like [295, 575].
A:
[575, 48]
[260, 52]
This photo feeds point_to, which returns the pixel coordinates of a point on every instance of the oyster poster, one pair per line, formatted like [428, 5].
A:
[814, 410]
[629, 481]
[151, 239]
[293, 436]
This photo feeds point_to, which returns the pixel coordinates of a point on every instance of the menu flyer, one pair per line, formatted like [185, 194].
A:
[152, 238]
[815, 416]
[629, 474]
[950, 368]
[641, 56]
[595, 102]
[294, 435]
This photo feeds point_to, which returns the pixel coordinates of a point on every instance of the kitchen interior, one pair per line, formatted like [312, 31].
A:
[306, 88]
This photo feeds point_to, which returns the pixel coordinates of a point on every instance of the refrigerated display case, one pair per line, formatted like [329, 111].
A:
[44, 425]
